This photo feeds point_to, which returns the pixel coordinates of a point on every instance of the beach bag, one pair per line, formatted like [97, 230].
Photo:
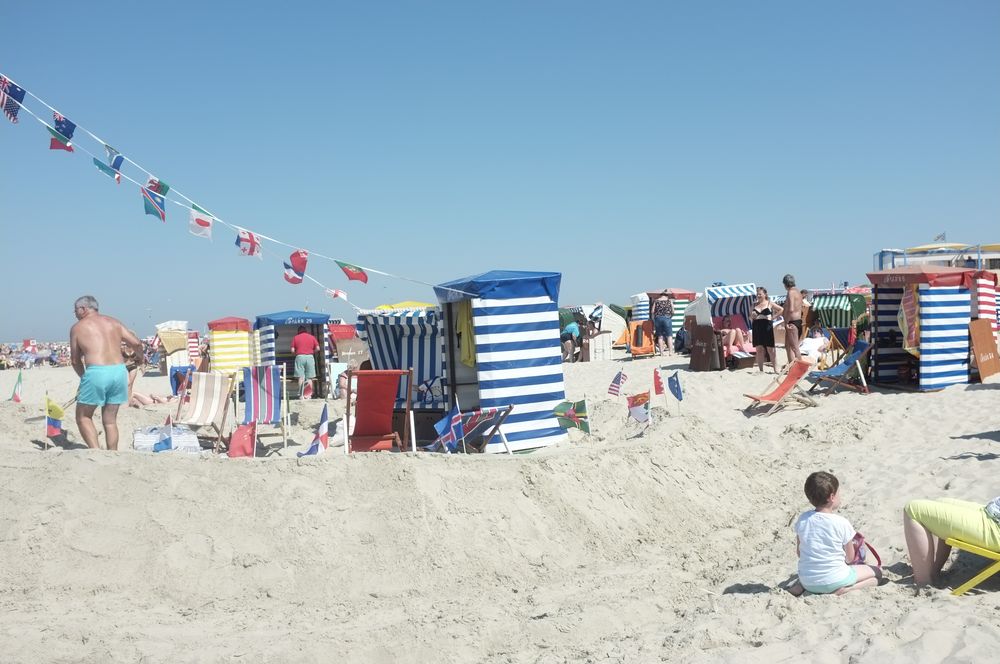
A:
[861, 547]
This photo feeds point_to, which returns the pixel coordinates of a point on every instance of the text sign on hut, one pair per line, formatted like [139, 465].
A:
[984, 347]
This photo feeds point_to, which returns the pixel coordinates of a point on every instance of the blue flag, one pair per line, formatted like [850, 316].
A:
[153, 204]
[450, 430]
[674, 384]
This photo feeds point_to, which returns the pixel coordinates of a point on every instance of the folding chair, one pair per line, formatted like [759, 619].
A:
[373, 397]
[480, 428]
[786, 388]
[205, 402]
[266, 399]
[838, 374]
[982, 576]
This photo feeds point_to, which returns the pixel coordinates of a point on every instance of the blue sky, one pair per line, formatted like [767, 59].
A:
[630, 146]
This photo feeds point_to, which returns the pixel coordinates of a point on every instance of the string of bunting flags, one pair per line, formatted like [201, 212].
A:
[155, 196]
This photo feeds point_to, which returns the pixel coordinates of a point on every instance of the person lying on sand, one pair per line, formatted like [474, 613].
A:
[139, 400]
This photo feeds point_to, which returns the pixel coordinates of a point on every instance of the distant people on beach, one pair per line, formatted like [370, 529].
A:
[733, 337]
[303, 347]
[824, 543]
[96, 354]
[793, 318]
[762, 328]
[927, 524]
[663, 314]
[569, 338]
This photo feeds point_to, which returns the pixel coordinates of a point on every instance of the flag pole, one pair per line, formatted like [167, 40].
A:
[45, 420]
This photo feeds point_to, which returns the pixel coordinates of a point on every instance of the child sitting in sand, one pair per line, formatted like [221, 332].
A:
[824, 544]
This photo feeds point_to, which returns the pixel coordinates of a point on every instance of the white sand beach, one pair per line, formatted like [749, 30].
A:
[615, 547]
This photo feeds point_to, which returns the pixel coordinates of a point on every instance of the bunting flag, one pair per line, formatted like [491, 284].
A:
[11, 97]
[353, 272]
[201, 223]
[158, 186]
[295, 271]
[638, 407]
[573, 414]
[153, 204]
[249, 244]
[16, 396]
[657, 382]
[62, 135]
[614, 389]
[336, 294]
[115, 161]
[321, 441]
[674, 383]
[53, 418]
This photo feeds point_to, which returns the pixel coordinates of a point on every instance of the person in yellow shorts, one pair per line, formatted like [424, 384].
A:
[928, 523]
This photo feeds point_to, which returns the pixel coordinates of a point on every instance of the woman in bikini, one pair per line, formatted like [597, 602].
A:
[764, 311]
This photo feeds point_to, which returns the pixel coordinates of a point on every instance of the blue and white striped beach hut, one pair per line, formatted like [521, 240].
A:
[729, 300]
[513, 319]
[944, 310]
[409, 339]
[274, 334]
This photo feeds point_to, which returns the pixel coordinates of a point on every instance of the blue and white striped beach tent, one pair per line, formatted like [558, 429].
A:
[518, 357]
[944, 301]
[409, 339]
[274, 337]
[640, 306]
[729, 300]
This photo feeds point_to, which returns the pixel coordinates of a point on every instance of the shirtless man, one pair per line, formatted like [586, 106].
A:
[96, 353]
[793, 318]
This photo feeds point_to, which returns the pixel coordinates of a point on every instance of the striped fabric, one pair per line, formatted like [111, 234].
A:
[410, 338]
[833, 310]
[889, 353]
[206, 400]
[229, 350]
[945, 313]
[194, 350]
[729, 300]
[262, 389]
[519, 363]
[677, 321]
[640, 306]
[986, 301]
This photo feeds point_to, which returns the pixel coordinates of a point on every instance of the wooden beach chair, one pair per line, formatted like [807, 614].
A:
[205, 402]
[784, 388]
[266, 399]
[370, 404]
[838, 374]
[989, 571]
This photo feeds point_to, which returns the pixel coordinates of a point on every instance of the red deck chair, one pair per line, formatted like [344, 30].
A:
[374, 396]
[787, 388]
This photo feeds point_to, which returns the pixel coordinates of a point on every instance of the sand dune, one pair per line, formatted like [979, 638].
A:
[634, 544]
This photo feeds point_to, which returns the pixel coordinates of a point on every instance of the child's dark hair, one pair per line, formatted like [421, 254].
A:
[820, 486]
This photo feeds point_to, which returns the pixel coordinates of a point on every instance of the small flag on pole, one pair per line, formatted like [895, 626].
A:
[62, 135]
[11, 97]
[295, 270]
[657, 382]
[450, 430]
[638, 407]
[53, 418]
[249, 244]
[674, 383]
[201, 223]
[321, 442]
[940, 237]
[573, 414]
[16, 396]
[353, 272]
[615, 387]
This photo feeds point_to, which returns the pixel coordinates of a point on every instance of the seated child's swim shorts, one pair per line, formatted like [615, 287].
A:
[826, 588]
[103, 385]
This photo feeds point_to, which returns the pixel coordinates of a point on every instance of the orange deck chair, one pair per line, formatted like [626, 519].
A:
[784, 388]
[641, 340]
[373, 394]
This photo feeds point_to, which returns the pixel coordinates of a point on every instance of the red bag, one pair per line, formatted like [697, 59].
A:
[243, 441]
[860, 547]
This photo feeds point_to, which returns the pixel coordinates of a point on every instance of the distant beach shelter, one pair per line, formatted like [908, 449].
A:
[921, 316]
[274, 333]
[503, 349]
[229, 344]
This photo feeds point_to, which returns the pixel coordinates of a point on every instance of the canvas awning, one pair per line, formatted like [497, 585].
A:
[728, 300]
[292, 318]
[839, 310]
[933, 275]
[501, 285]
[229, 324]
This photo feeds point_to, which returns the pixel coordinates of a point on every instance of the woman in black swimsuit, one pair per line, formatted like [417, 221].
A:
[763, 328]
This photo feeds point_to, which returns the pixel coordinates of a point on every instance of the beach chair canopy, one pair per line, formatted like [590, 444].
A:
[501, 285]
[728, 300]
[839, 310]
[229, 324]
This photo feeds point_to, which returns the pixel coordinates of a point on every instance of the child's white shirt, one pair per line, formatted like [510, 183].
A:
[822, 537]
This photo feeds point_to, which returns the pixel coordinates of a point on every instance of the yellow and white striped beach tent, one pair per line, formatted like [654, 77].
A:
[229, 344]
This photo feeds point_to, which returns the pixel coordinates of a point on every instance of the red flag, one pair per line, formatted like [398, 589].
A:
[353, 272]
[243, 441]
[295, 271]
[657, 382]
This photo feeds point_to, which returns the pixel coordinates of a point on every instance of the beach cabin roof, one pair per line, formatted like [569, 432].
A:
[675, 293]
[229, 324]
[933, 275]
[501, 285]
[292, 318]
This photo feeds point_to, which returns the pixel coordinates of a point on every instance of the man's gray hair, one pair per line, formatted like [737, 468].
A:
[87, 302]
[788, 280]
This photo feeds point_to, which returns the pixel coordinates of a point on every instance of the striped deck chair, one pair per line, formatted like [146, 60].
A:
[266, 399]
[784, 388]
[480, 428]
[369, 428]
[838, 373]
[205, 402]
